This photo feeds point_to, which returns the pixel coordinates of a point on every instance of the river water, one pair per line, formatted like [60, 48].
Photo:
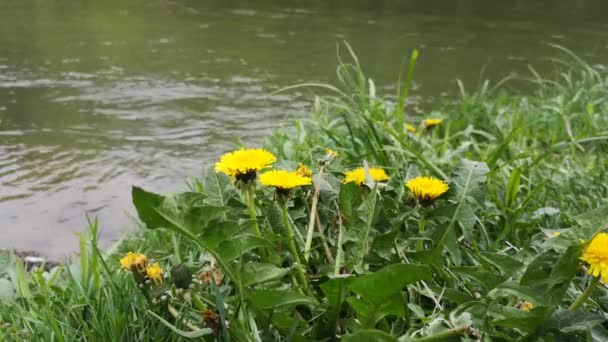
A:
[98, 95]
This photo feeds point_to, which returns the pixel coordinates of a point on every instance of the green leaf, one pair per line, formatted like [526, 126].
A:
[146, 204]
[378, 286]
[568, 321]
[187, 334]
[255, 273]
[510, 317]
[508, 265]
[349, 200]
[215, 188]
[271, 299]
[234, 248]
[7, 291]
[468, 186]
[593, 221]
[489, 280]
[370, 335]
[468, 180]
[335, 291]
[20, 281]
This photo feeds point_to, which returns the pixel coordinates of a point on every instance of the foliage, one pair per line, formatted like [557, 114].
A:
[527, 188]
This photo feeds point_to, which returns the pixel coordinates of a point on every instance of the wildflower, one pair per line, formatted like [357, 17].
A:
[212, 274]
[358, 175]
[556, 234]
[303, 171]
[330, 153]
[427, 189]
[430, 123]
[154, 273]
[410, 128]
[596, 255]
[284, 180]
[526, 306]
[133, 261]
[244, 163]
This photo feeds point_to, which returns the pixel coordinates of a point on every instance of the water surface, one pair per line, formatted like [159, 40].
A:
[98, 95]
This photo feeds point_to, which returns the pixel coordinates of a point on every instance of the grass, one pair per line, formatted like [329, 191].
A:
[496, 258]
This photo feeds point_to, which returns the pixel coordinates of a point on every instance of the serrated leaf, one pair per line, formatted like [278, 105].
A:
[568, 321]
[593, 221]
[215, 187]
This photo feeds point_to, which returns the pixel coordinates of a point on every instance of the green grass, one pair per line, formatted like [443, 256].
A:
[381, 267]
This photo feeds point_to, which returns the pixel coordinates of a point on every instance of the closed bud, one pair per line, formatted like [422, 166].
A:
[181, 276]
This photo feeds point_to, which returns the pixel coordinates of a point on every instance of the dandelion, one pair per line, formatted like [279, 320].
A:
[155, 273]
[427, 189]
[358, 175]
[430, 123]
[303, 171]
[526, 306]
[410, 128]
[284, 180]
[245, 163]
[330, 153]
[134, 261]
[556, 234]
[596, 255]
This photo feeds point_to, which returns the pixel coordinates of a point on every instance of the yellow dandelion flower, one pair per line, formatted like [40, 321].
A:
[427, 189]
[303, 171]
[556, 234]
[526, 306]
[244, 163]
[284, 180]
[133, 261]
[410, 128]
[596, 255]
[330, 153]
[358, 175]
[155, 273]
[430, 123]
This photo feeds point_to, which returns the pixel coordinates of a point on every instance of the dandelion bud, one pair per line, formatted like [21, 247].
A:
[181, 276]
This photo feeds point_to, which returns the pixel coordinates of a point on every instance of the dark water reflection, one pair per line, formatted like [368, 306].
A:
[97, 96]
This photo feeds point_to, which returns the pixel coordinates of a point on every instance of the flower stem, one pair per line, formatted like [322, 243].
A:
[249, 193]
[313, 213]
[582, 298]
[300, 276]
[421, 228]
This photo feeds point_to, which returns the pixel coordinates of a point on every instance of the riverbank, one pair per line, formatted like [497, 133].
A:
[487, 244]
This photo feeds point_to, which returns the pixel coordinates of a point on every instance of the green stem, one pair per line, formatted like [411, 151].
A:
[582, 298]
[291, 243]
[249, 193]
[313, 213]
[444, 335]
[421, 228]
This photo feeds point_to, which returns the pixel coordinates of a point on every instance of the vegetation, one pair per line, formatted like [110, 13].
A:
[480, 224]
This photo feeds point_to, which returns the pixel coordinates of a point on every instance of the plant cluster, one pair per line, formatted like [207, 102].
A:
[484, 221]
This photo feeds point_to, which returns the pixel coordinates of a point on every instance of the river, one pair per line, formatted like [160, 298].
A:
[98, 95]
